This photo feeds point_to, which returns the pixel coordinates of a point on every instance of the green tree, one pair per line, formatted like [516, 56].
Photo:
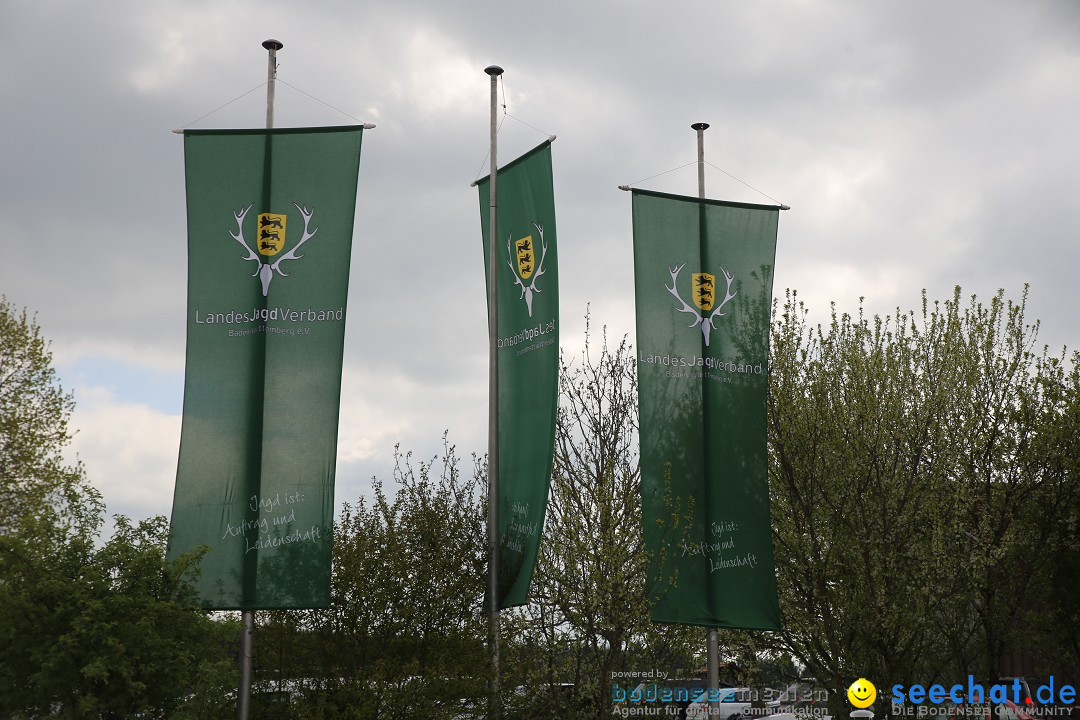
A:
[106, 631]
[849, 426]
[89, 628]
[908, 479]
[34, 416]
[1057, 628]
[405, 635]
[589, 611]
[1007, 480]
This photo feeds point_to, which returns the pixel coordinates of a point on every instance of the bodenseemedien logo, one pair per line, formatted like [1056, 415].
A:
[524, 264]
[703, 293]
[271, 240]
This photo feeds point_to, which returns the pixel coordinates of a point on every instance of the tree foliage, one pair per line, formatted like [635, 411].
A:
[915, 459]
[925, 504]
[34, 414]
[89, 628]
[106, 631]
[923, 477]
[405, 635]
[589, 609]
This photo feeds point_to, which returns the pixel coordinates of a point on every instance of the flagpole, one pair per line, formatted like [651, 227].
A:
[272, 46]
[494, 71]
[243, 695]
[701, 128]
[712, 644]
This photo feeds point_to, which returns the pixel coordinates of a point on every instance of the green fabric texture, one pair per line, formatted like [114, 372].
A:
[270, 220]
[703, 284]
[528, 359]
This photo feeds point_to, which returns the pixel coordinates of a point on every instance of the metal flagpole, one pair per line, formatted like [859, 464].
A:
[701, 128]
[494, 710]
[272, 46]
[243, 697]
[711, 641]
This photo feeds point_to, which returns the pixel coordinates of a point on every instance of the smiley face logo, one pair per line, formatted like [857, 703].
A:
[862, 693]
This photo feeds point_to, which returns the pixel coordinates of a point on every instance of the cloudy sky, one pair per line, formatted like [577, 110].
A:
[920, 145]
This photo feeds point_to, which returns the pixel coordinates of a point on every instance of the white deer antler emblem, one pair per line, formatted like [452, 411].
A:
[706, 321]
[266, 270]
[528, 290]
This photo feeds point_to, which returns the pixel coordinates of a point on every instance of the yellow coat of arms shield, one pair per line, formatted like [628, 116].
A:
[271, 233]
[704, 290]
[526, 262]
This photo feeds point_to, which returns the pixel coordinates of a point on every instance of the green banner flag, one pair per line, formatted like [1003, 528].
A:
[703, 282]
[270, 218]
[528, 357]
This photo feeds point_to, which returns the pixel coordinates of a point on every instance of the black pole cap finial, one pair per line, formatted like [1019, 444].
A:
[493, 70]
[272, 44]
[700, 126]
